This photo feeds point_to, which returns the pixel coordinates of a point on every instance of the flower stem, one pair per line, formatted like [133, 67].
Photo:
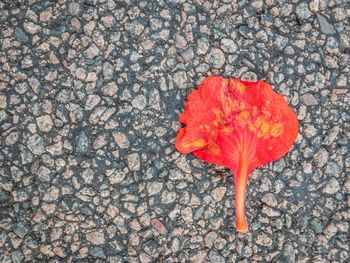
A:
[241, 177]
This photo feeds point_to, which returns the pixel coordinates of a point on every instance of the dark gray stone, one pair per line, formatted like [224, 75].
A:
[325, 26]
[21, 36]
[82, 143]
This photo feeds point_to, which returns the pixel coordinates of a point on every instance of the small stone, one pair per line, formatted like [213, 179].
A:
[82, 143]
[55, 149]
[74, 8]
[133, 161]
[115, 176]
[139, 102]
[20, 230]
[263, 240]
[110, 89]
[309, 99]
[100, 141]
[325, 26]
[203, 46]
[310, 131]
[91, 77]
[3, 102]
[303, 12]
[96, 237]
[31, 28]
[187, 55]
[145, 258]
[316, 225]
[333, 134]
[154, 188]
[321, 158]
[92, 52]
[289, 253]
[80, 73]
[332, 168]
[342, 81]
[97, 252]
[108, 21]
[75, 23]
[17, 256]
[21, 36]
[330, 230]
[218, 193]
[121, 139]
[35, 144]
[108, 70]
[270, 212]
[307, 168]
[26, 155]
[180, 79]
[228, 46]
[5, 198]
[151, 248]
[168, 197]
[159, 226]
[217, 58]
[46, 15]
[269, 199]
[44, 123]
[215, 257]
[210, 238]
[89, 27]
[51, 194]
[92, 101]
[331, 187]
[180, 41]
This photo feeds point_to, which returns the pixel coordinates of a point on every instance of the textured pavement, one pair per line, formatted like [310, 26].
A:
[90, 93]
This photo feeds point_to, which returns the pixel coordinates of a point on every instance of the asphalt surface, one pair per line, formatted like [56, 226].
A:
[90, 93]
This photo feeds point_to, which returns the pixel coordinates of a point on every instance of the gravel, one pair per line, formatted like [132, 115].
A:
[90, 95]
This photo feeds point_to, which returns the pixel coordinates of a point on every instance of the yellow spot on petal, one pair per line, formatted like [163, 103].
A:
[214, 149]
[276, 129]
[197, 143]
[244, 115]
[240, 87]
[264, 128]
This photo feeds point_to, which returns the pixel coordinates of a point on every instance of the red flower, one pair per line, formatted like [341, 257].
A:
[237, 124]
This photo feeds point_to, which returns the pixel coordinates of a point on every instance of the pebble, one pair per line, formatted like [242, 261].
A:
[21, 36]
[134, 161]
[121, 139]
[309, 100]
[44, 123]
[218, 193]
[31, 28]
[269, 199]
[139, 102]
[303, 12]
[331, 187]
[325, 26]
[216, 257]
[217, 58]
[96, 237]
[331, 136]
[35, 144]
[228, 46]
[82, 143]
[210, 238]
[92, 52]
[180, 79]
[321, 158]
[154, 188]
